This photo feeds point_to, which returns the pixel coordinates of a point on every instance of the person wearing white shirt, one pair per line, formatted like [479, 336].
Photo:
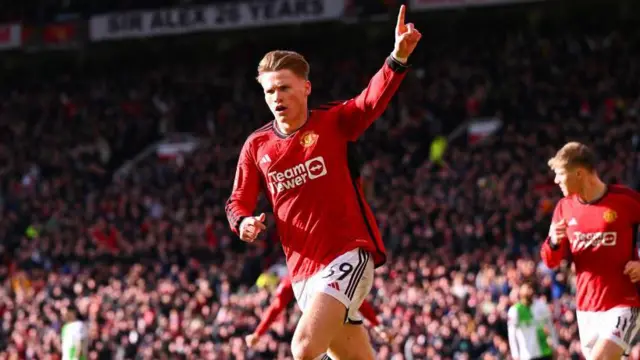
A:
[532, 335]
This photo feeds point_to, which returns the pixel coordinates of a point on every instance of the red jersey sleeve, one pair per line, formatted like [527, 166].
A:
[283, 296]
[246, 188]
[369, 313]
[357, 114]
[634, 204]
[553, 256]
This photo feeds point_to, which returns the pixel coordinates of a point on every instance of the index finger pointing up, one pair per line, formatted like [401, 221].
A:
[401, 16]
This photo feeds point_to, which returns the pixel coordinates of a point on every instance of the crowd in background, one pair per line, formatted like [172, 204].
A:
[148, 260]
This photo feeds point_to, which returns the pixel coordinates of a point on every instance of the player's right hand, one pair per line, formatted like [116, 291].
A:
[558, 231]
[251, 340]
[251, 227]
[632, 269]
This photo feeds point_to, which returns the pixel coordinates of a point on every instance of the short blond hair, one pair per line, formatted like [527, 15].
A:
[284, 59]
[572, 155]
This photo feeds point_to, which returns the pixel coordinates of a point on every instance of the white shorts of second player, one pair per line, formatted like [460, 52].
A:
[348, 278]
[619, 325]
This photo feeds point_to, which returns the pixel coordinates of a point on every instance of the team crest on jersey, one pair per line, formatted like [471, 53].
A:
[308, 139]
[609, 216]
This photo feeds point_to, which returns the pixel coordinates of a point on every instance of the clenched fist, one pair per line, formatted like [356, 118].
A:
[251, 227]
[558, 232]
[632, 269]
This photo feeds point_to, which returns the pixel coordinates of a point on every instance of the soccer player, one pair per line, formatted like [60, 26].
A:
[529, 326]
[75, 338]
[327, 230]
[596, 225]
[283, 296]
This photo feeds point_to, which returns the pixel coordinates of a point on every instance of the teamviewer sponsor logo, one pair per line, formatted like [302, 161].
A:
[296, 176]
[595, 239]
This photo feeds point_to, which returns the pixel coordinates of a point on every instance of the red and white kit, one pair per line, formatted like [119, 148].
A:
[602, 238]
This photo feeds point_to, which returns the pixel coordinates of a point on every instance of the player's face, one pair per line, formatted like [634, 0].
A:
[568, 180]
[286, 95]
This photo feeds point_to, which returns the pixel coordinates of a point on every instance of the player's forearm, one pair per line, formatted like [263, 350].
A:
[551, 255]
[383, 85]
[236, 210]
[269, 317]
[369, 313]
[373, 100]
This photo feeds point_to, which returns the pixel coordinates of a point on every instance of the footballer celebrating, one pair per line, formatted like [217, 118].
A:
[596, 225]
[327, 231]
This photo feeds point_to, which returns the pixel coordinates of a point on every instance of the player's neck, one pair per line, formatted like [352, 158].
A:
[594, 190]
[289, 126]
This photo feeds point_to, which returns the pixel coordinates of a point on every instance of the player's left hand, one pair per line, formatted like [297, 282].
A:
[632, 269]
[251, 340]
[384, 333]
[407, 37]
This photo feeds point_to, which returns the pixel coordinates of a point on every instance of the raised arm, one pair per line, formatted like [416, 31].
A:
[358, 113]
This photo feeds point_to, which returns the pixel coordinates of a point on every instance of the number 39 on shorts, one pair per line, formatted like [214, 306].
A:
[342, 270]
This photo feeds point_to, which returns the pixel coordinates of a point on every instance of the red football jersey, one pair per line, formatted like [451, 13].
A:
[312, 185]
[602, 239]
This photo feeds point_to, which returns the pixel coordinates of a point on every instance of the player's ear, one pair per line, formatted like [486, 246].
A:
[307, 87]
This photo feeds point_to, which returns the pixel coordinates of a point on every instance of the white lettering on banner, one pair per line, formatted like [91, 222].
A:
[295, 176]
[233, 15]
[443, 4]
[584, 240]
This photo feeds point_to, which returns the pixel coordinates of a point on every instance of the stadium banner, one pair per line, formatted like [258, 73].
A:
[63, 35]
[447, 4]
[10, 36]
[223, 16]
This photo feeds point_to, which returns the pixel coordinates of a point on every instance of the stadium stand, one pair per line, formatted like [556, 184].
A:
[99, 216]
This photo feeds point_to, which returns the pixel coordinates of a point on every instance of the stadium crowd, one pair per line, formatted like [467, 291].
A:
[148, 260]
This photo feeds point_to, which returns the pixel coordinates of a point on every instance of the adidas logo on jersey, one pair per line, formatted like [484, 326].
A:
[265, 159]
[573, 222]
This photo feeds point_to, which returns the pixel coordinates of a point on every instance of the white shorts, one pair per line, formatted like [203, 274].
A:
[348, 278]
[619, 325]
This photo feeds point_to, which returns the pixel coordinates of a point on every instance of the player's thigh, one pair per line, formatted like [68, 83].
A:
[352, 343]
[348, 279]
[587, 331]
[330, 299]
[617, 328]
[321, 321]
[606, 349]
